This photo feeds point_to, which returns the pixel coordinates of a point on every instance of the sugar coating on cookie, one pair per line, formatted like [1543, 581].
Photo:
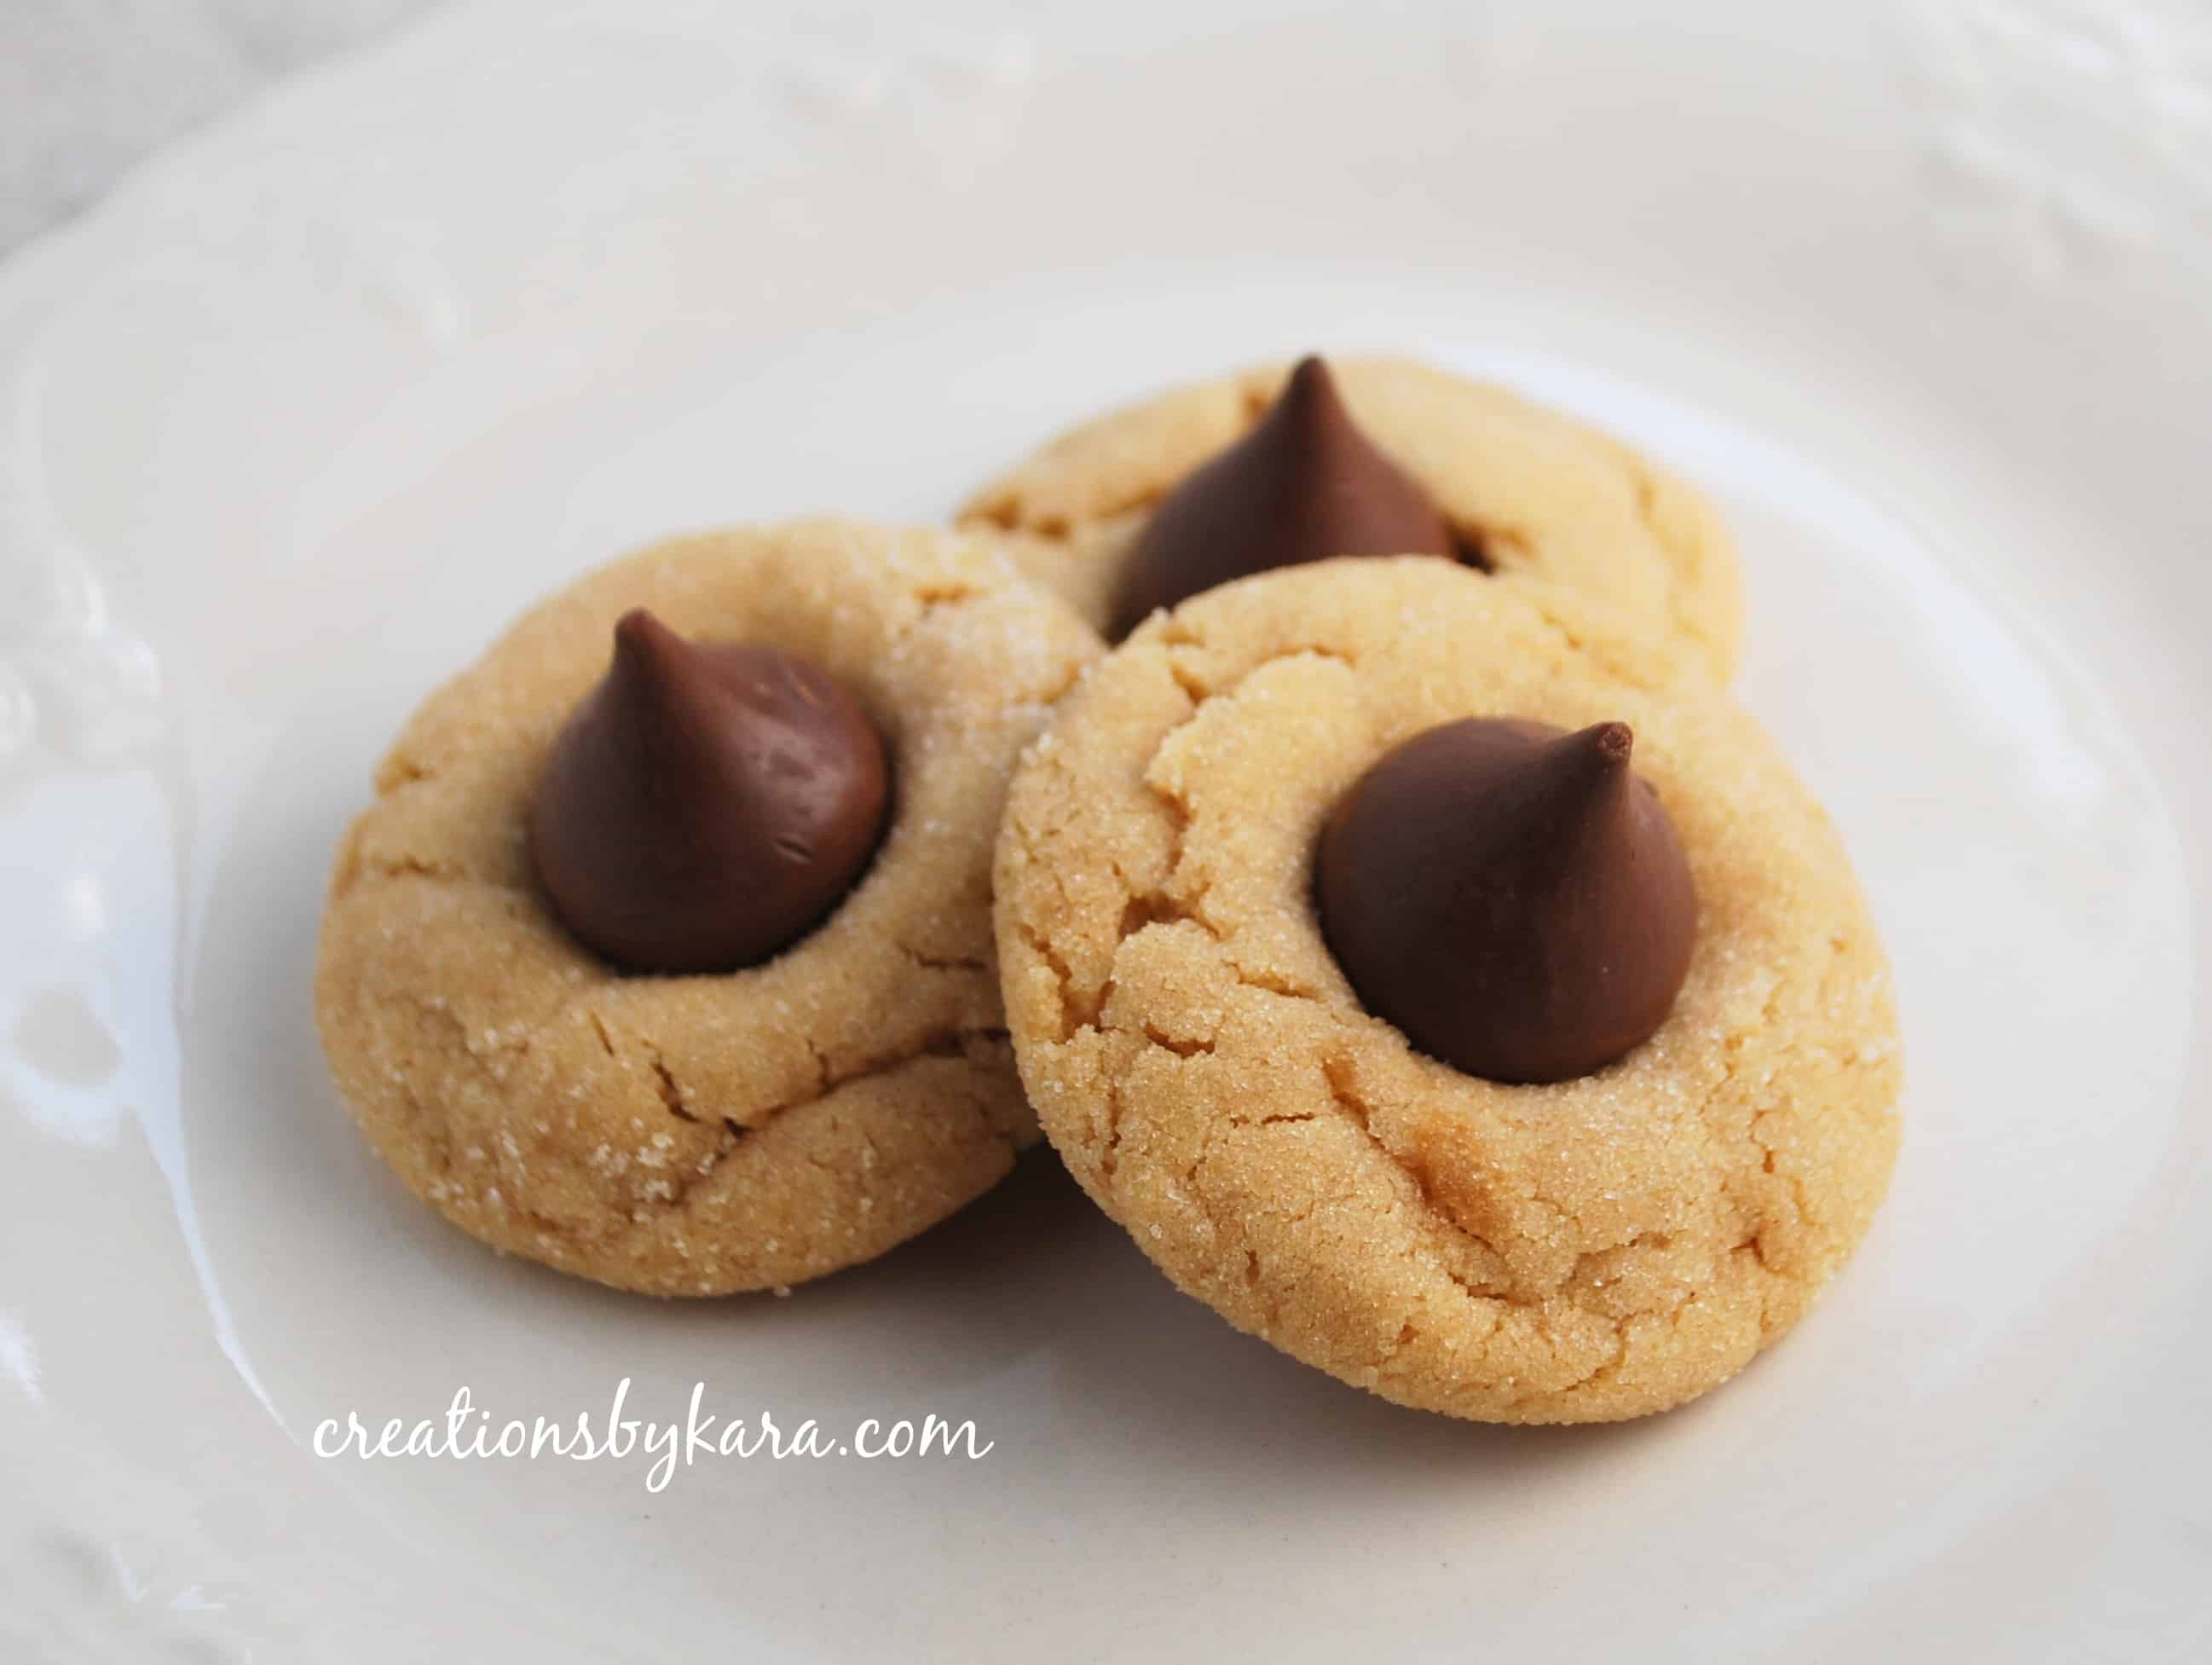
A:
[1534, 492]
[708, 1133]
[1596, 1248]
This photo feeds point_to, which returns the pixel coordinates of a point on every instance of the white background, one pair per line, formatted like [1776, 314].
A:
[88, 87]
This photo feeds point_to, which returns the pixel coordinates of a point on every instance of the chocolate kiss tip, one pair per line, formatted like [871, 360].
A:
[638, 628]
[1310, 401]
[648, 653]
[1611, 741]
[669, 686]
[642, 641]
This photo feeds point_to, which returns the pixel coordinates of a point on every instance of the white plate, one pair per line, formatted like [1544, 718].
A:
[292, 425]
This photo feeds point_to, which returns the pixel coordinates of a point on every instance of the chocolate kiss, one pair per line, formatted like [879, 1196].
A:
[706, 805]
[1304, 484]
[1511, 896]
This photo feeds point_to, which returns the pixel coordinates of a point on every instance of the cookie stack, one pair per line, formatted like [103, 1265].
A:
[1398, 929]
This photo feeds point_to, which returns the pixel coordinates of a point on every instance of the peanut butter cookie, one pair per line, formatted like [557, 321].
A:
[780, 775]
[1521, 489]
[1587, 1248]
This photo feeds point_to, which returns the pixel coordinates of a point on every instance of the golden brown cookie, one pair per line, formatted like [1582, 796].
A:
[705, 1133]
[1536, 493]
[1597, 1248]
